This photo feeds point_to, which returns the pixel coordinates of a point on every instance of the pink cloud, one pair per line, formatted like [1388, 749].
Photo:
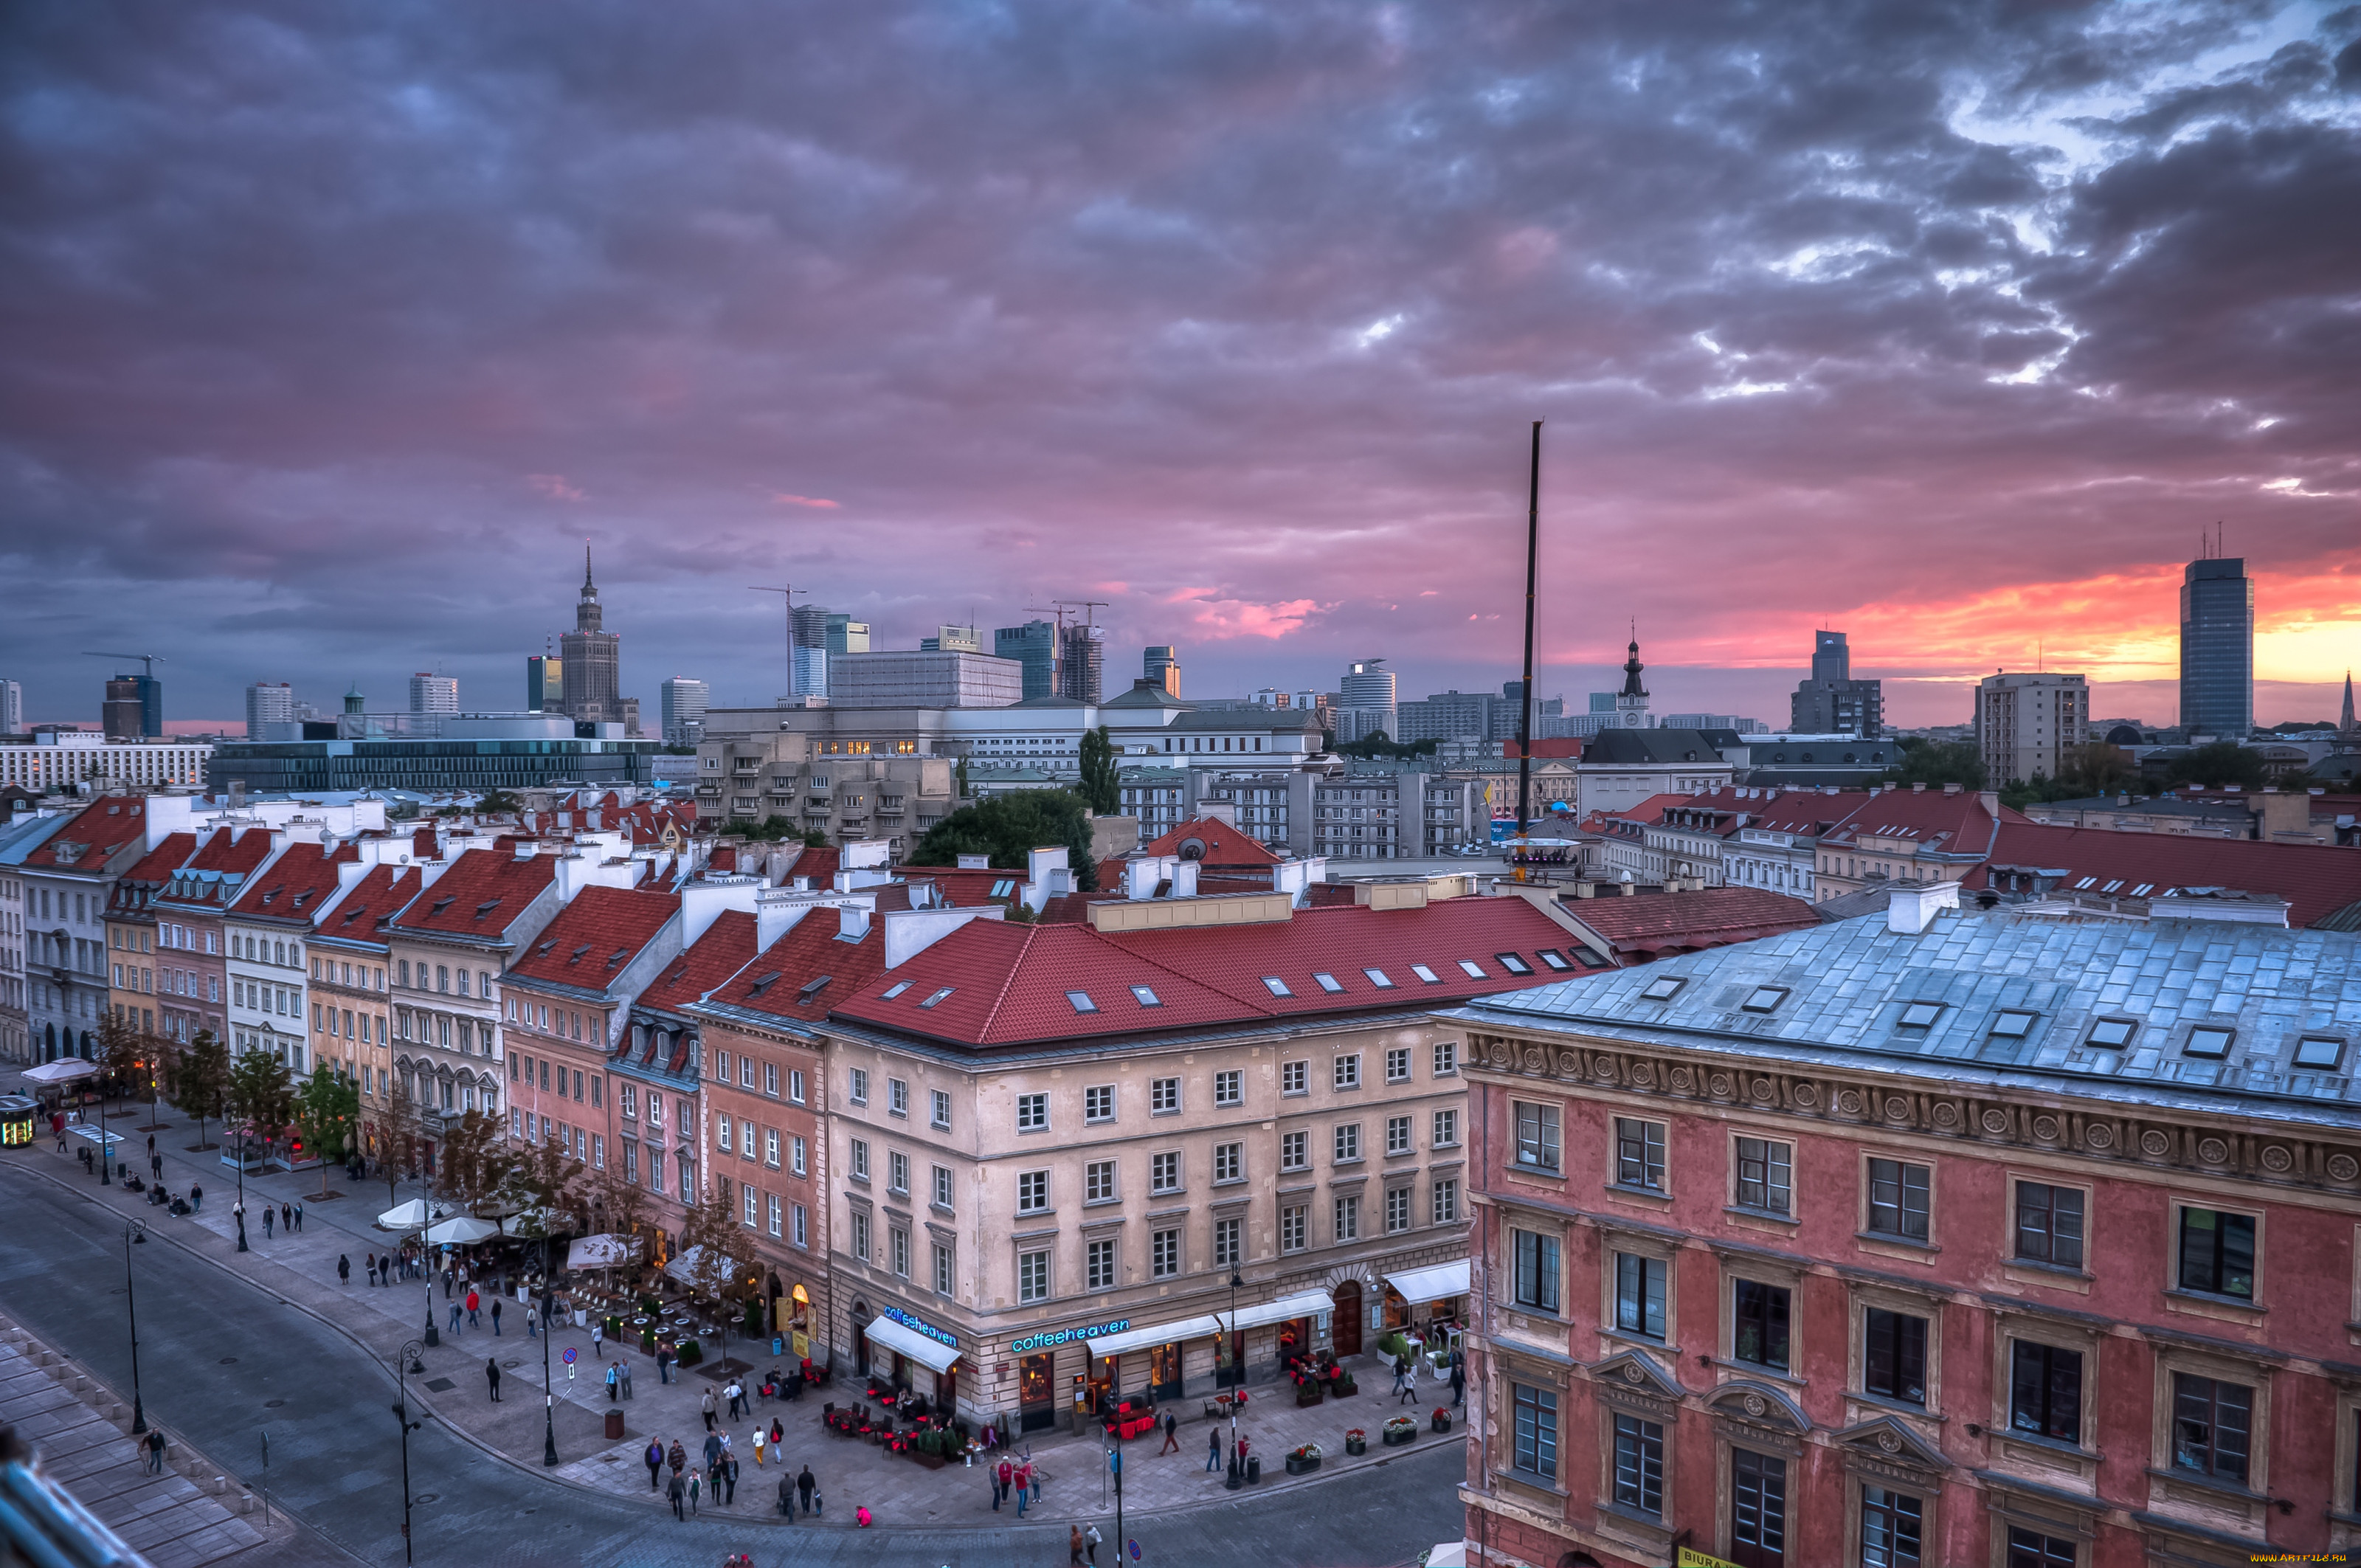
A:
[555, 487]
[820, 502]
[1217, 619]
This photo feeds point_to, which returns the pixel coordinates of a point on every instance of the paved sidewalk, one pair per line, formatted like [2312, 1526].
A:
[301, 1271]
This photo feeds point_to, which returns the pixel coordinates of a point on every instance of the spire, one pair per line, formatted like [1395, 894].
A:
[590, 589]
[1631, 668]
[2347, 722]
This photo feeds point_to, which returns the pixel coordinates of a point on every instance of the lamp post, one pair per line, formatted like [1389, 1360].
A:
[426, 1259]
[1237, 1383]
[410, 1364]
[133, 1233]
[548, 1389]
[241, 1186]
[105, 1155]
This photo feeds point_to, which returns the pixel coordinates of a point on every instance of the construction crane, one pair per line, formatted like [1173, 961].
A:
[147, 659]
[786, 603]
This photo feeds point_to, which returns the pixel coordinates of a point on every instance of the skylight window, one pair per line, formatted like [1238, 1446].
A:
[1426, 974]
[1555, 959]
[1328, 983]
[1276, 986]
[1004, 887]
[761, 984]
[1663, 990]
[2086, 881]
[1921, 1015]
[895, 990]
[1145, 996]
[2321, 1051]
[1764, 999]
[2012, 1025]
[2112, 1031]
[576, 956]
[487, 908]
[1082, 1002]
[2143, 890]
[1473, 970]
[938, 996]
[1378, 978]
[2112, 885]
[2209, 1041]
[812, 988]
[1513, 964]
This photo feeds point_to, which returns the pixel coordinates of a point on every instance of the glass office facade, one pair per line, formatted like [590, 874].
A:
[2217, 648]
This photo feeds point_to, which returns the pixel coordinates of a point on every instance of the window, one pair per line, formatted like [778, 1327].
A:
[1758, 1330]
[2212, 1422]
[1536, 1271]
[1099, 1265]
[2217, 1253]
[1766, 1176]
[1894, 1356]
[1397, 1065]
[2319, 1051]
[1294, 1153]
[1446, 1205]
[1764, 999]
[1229, 1162]
[856, 1086]
[1329, 984]
[2031, 1549]
[1758, 1505]
[1163, 1096]
[2045, 1391]
[1164, 1172]
[1276, 986]
[796, 1086]
[1446, 1057]
[943, 1281]
[1032, 1192]
[1897, 1199]
[1098, 1181]
[897, 1097]
[861, 1234]
[1080, 1002]
[938, 996]
[1425, 975]
[1473, 970]
[1145, 996]
[2012, 1025]
[1345, 1072]
[1098, 1102]
[1920, 1014]
[1033, 1276]
[722, 1134]
[1229, 1088]
[861, 1159]
[1639, 1285]
[1347, 1217]
[797, 1148]
[1536, 1445]
[2209, 1042]
[1293, 1077]
[1397, 1209]
[1537, 1136]
[1639, 1465]
[1033, 1113]
[1553, 958]
[1348, 1141]
[1889, 1529]
[752, 1199]
[897, 1172]
[2049, 1224]
[1639, 1153]
[745, 1072]
[1227, 1251]
[1378, 978]
[2112, 1033]
[1291, 1226]
[1164, 1253]
[941, 1115]
[942, 1180]
[1663, 990]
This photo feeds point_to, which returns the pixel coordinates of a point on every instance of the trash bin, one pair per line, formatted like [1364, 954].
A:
[1254, 1468]
[614, 1425]
[778, 1344]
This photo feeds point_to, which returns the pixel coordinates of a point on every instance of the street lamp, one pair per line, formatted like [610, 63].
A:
[131, 1233]
[426, 1259]
[241, 1186]
[548, 1389]
[410, 1364]
[1237, 1384]
[105, 1154]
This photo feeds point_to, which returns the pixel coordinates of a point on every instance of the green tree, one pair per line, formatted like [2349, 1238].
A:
[2223, 763]
[259, 1095]
[959, 780]
[1101, 788]
[123, 1054]
[545, 1184]
[327, 1118]
[401, 1130]
[474, 1161]
[1007, 828]
[1937, 762]
[715, 1272]
[200, 1082]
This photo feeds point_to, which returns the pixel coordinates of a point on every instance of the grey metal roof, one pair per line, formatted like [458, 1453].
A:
[1846, 986]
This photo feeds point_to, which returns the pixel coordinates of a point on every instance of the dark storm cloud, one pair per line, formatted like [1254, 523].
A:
[324, 335]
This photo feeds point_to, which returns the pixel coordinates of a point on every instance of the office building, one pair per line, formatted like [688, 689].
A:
[952, 640]
[912, 677]
[434, 694]
[120, 714]
[807, 651]
[55, 759]
[458, 751]
[545, 684]
[268, 702]
[1832, 701]
[2217, 648]
[684, 701]
[1365, 702]
[1081, 663]
[2030, 725]
[1161, 664]
[1033, 645]
[594, 665]
[846, 635]
[12, 707]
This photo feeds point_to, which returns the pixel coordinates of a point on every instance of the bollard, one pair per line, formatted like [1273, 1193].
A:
[245, 1502]
[221, 1486]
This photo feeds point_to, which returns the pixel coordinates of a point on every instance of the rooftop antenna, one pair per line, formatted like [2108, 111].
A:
[1525, 692]
[788, 606]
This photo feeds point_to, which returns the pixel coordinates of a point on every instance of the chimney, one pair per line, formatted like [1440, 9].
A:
[852, 922]
[975, 862]
[774, 917]
[1991, 798]
[1950, 789]
[1918, 789]
[1910, 909]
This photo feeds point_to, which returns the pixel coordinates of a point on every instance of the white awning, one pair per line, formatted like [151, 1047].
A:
[1156, 1334]
[1439, 1282]
[926, 1352]
[1302, 1304]
[65, 1070]
[601, 1251]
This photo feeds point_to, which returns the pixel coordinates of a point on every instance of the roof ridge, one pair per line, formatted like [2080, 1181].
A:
[1008, 976]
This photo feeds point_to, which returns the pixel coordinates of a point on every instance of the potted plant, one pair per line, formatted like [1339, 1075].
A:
[1345, 1385]
[1303, 1460]
[691, 1352]
[1442, 1418]
[1400, 1431]
[1356, 1442]
[1308, 1391]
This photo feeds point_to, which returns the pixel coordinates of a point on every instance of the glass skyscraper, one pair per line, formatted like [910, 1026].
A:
[2217, 648]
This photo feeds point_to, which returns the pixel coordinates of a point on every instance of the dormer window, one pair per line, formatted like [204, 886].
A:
[761, 984]
[1663, 990]
[2012, 1025]
[487, 908]
[1920, 1014]
[2112, 1033]
[2209, 1040]
[1764, 999]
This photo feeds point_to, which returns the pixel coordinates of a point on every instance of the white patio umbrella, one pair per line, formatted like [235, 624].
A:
[413, 1215]
[685, 1263]
[63, 1071]
[461, 1230]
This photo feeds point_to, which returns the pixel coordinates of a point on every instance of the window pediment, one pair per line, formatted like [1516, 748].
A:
[1758, 1405]
[1636, 1374]
[1887, 1443]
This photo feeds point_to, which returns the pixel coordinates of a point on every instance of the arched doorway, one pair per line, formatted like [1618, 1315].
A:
[1344, 1331]
[860, 1338]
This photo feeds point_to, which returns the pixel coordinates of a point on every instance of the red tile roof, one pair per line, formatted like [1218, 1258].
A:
[592, 938]
[1646, 925]
[103, 829]
[296, 882]
[820, 862]
[159, 864]
[727, 946]
[1008, 984]
[1544, 746]
[1954, 824]
[775, 982]
[482, 894]
[231, 852]
[2316, 880]
[369, 904]
[1217, 844]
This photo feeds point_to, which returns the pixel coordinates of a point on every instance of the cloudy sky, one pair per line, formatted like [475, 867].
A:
[328, 334]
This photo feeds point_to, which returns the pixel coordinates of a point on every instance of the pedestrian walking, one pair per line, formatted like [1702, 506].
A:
[455, 1311]
[299, 1216]
[677, 1458]
[1074, 1546]
[196, 1198]
[612, 1381]
[806, 1488]
[151, 1146]
[677, 1491]
[446, 1283]
[265, 1221]
[1458, 1380]
[1214, 1448]
[1405, 1382]
[761, 1437]
[692, 1491]
[730, 1482]
[1090, 1539]
[368, 1261]
[653, 1460]
[1024, 1487]
[627, 1377]
[492, 1374]
[1171, 1435]
[1033, 1474]
[286, 1218]
[787, 1497]
[156, 1445]
[737, 1393]
[532, 1321]
[495, 1317]
[712, 1449]
[597, 1337]
[778, 1435]
[344, 1269]
[663, 1361]
[473, 1302]
[706, 1404]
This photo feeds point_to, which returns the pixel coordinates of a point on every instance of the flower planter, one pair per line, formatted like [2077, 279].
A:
[1357, 1445]
[1442, 1421]
[1394, 1437]
[1307, 1394]
[1301, 1466]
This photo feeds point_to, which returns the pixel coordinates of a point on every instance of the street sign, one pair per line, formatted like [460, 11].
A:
[1135, 1549]
[569, 1355]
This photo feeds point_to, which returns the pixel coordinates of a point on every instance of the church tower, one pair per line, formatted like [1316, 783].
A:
[1631, 702]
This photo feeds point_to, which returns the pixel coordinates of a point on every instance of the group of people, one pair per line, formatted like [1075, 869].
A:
[1015, 1477]
[716, 1480]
